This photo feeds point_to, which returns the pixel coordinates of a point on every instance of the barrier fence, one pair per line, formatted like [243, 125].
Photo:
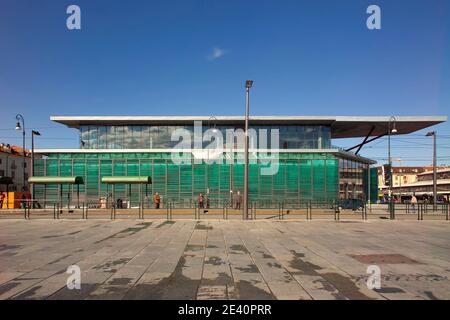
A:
[308, 210]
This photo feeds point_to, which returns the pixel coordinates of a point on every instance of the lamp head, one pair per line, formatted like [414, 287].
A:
[18, 127]
[248, 84]
[36, 133]
[394, 130]
[430, 134]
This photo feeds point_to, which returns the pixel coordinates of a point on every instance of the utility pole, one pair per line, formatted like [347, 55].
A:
[248, 85]
[33, 133]
[20, 127]
[433, 134]
[393, 130]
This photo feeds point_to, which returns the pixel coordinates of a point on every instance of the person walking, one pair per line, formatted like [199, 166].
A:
[237, 200]
[157, 200]
[208, 201]
[413, 203]
[201, 201]
[2, 197]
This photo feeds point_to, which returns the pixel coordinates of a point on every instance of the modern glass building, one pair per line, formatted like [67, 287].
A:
[310, 166]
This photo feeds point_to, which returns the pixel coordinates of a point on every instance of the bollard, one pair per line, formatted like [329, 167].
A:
[365, 211]
[167, 211]
[279, 211]
[309, 210]
[393, 211]
[420, 212]
[195, 211]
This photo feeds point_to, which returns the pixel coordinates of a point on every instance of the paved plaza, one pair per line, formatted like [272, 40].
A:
[224, 259]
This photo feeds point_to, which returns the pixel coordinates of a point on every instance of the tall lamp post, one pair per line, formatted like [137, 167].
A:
[207, 164]
[248, 85]
[400, 176]
[433, 134]
[19, 127]
[391, 129]
[33, 133]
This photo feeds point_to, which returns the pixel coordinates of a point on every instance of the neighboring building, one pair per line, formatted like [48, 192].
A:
[423, 186]
[404, 175]
[400, 175]
[11, 165]
[310, 167]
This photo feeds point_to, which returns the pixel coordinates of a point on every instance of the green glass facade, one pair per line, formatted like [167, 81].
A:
[309, 167]
[301, 177]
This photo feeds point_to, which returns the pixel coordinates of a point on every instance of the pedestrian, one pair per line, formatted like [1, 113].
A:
[28, 199]
[23, 202]
[413, 203]
[157, 200]
[237, 200]
[2, 197]
[201, 201]
[208, 202]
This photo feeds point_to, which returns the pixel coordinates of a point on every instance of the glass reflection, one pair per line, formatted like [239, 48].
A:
[159, 137]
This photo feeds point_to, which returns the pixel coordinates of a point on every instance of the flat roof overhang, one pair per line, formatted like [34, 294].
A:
[342, 126]
[56, 180]
[338, 152]
[127, 179]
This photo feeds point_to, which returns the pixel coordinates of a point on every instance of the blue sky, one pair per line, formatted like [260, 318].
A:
[191, 57]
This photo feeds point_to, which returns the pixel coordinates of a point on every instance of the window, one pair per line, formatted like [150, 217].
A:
[2, 173]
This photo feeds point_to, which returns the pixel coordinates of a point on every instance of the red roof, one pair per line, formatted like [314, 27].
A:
[16, 150]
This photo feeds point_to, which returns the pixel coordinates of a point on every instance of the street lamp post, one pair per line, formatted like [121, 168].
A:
[248, 85]
[33, 133]
[392, 120]
[400, 176]
[19, 127]
[207, 164]
[433, 134]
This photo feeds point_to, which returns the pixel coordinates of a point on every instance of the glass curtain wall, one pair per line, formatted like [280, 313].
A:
[159, 137]
[300, 178]
[352, 178]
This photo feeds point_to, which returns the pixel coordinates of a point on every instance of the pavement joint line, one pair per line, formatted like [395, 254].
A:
[57, 272]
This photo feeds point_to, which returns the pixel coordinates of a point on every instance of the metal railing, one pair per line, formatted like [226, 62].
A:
[308, 210]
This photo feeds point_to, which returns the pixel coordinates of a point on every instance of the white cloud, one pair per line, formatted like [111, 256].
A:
[216, 53]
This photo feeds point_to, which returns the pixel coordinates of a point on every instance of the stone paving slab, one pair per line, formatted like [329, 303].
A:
[224, 259]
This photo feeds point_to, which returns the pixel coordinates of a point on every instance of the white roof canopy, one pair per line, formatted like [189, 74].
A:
[342, 126]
